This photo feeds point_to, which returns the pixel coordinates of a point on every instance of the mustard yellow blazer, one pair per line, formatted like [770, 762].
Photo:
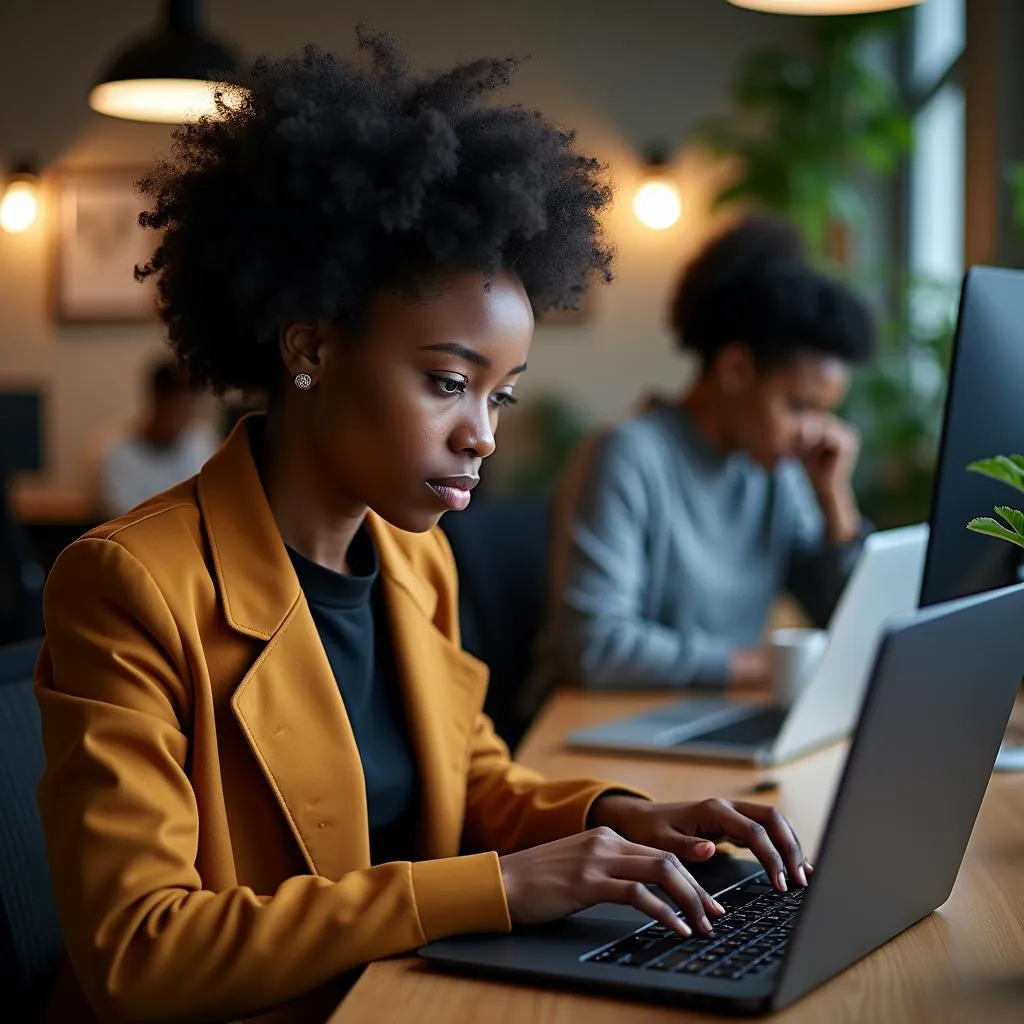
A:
[203, 800]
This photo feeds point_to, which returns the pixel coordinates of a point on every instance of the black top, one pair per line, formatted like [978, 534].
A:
[350, 617]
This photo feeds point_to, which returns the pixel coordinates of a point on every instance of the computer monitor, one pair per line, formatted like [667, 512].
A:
[21, 431]
[984, 416]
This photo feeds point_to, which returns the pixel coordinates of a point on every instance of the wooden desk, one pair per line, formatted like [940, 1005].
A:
[965, 963]
[35, 503]
[51, 517]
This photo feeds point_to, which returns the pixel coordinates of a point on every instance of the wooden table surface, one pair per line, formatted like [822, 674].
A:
[964, 963]
[33, 503]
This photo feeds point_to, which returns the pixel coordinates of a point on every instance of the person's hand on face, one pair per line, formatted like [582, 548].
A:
[828, 450]
[637, 844]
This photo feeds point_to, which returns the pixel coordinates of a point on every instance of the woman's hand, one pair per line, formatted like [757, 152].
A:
[552, 881]
[690, 831]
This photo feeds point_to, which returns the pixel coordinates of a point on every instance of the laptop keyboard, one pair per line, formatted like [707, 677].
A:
[750, 938]
[751, 731]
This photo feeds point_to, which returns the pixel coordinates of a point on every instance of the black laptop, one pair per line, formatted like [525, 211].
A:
[942, 689]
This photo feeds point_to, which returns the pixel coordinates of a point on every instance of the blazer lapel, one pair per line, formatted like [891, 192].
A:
[291, 711]
[288, 704]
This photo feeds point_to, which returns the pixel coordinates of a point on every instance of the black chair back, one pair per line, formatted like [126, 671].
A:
[21, 577]
[500, 547]
[30, 938]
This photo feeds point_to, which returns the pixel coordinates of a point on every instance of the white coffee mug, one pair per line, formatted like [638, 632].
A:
[793, 656]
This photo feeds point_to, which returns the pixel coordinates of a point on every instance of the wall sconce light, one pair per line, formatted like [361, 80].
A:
[657, 204]
[20, 203]
[823, 6]
[169, 77]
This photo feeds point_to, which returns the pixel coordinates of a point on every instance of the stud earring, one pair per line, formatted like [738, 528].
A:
[303, 381]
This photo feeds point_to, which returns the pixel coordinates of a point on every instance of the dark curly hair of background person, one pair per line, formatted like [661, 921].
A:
[329, 182]
[752, 284]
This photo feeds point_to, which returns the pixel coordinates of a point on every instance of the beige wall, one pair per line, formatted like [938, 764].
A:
[622, 73]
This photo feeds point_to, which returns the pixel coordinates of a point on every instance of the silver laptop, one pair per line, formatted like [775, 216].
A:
[884, 583]
[942, 687]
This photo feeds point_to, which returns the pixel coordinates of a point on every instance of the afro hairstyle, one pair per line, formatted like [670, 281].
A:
[321, 183]
[752, 284]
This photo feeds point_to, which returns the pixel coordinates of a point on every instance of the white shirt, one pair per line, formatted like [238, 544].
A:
[133, 470]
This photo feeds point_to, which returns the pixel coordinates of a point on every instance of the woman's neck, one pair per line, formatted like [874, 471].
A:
[703, 402]
[313, 520]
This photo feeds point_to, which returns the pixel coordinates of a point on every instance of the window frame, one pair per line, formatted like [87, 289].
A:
[916, 95]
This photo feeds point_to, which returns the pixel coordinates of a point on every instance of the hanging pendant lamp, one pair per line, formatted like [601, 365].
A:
[169, 77]
[824, 6]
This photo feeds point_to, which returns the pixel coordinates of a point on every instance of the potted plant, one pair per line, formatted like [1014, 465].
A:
[809, 129]
[1008, 469]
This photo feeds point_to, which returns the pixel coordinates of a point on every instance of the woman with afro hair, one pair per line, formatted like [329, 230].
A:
[683, 524]
[266, 760]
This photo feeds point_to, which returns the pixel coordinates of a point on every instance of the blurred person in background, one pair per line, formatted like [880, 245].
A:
[680, 527]
[168, 446]
[267, 763]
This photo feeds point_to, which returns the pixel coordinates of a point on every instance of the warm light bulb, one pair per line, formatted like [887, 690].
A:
[657, 205]
[163, 100]
[19, 206]
[823, 6]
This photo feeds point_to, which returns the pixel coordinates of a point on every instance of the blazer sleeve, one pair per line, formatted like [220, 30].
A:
[510, 807]
[146, 940]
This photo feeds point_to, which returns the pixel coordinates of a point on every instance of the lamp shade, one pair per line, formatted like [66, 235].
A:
[169, 77]
[823, 6]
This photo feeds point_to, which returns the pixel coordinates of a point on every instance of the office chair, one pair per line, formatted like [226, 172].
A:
[500, 548]
[21, 578]
[30, 938]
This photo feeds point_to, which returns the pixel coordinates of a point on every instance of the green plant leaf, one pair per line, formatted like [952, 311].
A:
[1014, 175]
[990, 528]
[1013, 517]
[1008, 469]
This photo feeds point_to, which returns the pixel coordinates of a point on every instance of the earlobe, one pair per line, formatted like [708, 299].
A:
[733, 369]
[302, 349]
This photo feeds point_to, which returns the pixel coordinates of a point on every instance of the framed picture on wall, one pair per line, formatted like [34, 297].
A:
[97, 243]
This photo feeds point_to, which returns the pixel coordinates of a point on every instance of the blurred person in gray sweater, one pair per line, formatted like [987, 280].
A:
[681, 526]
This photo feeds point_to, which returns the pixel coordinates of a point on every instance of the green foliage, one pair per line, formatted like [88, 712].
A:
[1007, 469]
[808, 128]
[1015, 180]
[898, 402]
[1012, 517]
[556, 427]
[810, 131]
[990, 528]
